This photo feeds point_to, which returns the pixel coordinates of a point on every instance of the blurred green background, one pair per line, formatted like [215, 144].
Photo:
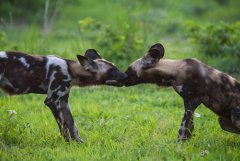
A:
[134, 123]
[122, 30]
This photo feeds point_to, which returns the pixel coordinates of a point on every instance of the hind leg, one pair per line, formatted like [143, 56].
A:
[231, 124]
[227, 125]
[235, 117]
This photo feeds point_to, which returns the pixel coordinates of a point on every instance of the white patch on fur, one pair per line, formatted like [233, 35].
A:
[26, 91]
[53, 60]
[42, 86]
[203, 71]
[183, 123]
[237, 124]
[62, 93]
[3, 54]
[137, 66]
[61, 117]
[50, 92]
[179, 88]
[24, 62]
[5, 82]
[103, 66]
[183, 129]
[75, 131]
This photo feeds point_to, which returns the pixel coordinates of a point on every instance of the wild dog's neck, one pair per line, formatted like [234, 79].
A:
[163, 74]
[80, 77]
[158, 77]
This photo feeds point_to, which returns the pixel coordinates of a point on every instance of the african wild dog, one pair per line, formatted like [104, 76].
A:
[21, 74]
[195, 82]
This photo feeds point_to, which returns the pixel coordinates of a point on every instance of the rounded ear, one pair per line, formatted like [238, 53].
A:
[92, 54]
[87, 63]
[156, 51]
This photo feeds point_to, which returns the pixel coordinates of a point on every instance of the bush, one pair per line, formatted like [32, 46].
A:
[123, 42]
[222, 39]
[220, 43]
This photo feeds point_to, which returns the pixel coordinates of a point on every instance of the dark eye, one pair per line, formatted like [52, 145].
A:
[112, 70]
[145, 67]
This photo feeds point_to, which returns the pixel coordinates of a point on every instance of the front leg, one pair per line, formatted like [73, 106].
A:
[61, 111]
[187, 125]
[55, 108]
[68, 119]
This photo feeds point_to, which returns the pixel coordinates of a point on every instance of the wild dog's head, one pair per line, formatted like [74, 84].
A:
[104, 71]
[137, 70]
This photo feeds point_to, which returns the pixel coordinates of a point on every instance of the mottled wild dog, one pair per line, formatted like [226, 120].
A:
[195, 82]
[21, 74]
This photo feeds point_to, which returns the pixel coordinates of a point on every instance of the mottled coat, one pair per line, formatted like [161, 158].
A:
[195, 82]
[22, 73]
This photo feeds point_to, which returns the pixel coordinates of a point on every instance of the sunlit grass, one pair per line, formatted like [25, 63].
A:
[137, 123]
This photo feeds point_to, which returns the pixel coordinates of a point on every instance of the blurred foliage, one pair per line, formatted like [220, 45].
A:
[3, 39]
[219, 41]
[24, 11]
[118, 42]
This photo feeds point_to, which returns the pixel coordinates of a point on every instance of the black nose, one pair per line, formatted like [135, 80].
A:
[125, 76]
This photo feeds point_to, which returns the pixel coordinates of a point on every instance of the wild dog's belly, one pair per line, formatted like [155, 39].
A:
[221, 108]
[23, 83]
[222, 101]
[18, 79]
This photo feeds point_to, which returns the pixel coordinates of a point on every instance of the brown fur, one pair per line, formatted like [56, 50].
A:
[22, 73]
[196, 83]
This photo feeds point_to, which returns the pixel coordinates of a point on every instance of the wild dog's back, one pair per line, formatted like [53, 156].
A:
[222, 92]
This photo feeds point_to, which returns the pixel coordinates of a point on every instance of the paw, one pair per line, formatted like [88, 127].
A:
[182, 138]
[185, 136]
[78, 140]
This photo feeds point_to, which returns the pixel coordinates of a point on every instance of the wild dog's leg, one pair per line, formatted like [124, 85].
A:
[63, 116]
[55, 108]
[68, 119]
[57, 101]
[228, 125]
[187, 126]
[231, 124]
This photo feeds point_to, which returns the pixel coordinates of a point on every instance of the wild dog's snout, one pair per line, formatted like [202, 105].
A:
[123, 78]
[131, 78]
[115, 77]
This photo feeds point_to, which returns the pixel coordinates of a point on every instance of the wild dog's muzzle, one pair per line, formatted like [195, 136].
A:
[116, 79]
[131, 78]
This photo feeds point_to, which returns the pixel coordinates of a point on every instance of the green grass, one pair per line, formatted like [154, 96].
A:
[135, 123]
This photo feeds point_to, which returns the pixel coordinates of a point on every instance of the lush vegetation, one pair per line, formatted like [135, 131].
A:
[135, 123]
[221, 41]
